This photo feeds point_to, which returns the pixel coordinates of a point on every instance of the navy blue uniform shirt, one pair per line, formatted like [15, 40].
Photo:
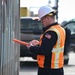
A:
[48, 42]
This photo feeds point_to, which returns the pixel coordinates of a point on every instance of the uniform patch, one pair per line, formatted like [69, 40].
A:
[47, 35]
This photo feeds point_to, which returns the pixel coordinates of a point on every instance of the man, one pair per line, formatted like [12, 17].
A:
[50, 48]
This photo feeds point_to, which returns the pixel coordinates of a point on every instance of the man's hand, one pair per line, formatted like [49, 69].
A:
[33, 43]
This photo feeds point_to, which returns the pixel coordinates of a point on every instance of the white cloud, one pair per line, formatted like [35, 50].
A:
[66, 7]
[66, 10]
[33, 3]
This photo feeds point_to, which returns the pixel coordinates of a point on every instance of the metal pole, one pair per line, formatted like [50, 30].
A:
[56, 6]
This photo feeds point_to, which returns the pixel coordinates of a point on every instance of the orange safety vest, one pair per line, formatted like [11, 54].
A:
[57, 59]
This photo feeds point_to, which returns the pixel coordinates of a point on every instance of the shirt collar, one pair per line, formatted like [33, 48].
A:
[45, 28]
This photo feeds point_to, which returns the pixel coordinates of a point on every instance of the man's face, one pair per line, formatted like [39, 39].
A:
[45, 21]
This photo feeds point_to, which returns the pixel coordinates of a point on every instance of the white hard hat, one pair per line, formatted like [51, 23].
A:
[44, 10]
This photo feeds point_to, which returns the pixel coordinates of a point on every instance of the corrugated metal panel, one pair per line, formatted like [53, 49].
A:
[0, 37]
[9, 29]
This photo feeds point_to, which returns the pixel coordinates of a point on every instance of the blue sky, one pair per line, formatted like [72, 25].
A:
[66, 7]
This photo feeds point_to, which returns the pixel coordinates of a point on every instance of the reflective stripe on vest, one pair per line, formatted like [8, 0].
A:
[57, 51]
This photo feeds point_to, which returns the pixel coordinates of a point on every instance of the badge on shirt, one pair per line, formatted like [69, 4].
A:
[47, 35]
